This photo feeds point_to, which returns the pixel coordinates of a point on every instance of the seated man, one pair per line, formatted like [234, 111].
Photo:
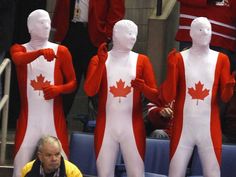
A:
[50, 162]
[161, 120]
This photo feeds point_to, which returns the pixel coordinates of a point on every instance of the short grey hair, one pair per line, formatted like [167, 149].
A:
[48, 139]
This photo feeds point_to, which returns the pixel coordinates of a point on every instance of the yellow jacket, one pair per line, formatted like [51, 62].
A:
[70, 169]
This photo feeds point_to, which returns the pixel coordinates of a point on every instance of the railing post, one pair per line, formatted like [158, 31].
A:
[4, 104]
[159, 8]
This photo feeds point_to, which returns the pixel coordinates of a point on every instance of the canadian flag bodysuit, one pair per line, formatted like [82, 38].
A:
[38, 116]
[119, 121]
[195, 85]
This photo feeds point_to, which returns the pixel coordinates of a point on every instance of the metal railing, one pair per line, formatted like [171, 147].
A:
[4, 104]
[159, 8]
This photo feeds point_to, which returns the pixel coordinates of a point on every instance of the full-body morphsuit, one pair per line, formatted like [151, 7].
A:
[119, 77]
[44, 72]
[195, 78]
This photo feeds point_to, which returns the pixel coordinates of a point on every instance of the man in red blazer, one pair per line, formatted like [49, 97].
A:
[82, 25]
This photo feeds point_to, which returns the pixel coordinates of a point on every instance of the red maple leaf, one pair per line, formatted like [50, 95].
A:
[120, 90]
[198, 93]
[40, 83]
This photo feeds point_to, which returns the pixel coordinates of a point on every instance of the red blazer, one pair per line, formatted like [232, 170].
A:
[103, 14]
[222, 18]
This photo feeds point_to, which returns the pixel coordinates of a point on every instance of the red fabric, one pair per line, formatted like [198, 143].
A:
[96, 82]
[61, 19]
[157, 120]
[63, 70]
[103, 14]
[174, 88]
[219, 14]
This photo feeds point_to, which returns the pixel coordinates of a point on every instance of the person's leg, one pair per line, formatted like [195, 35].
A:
[179, 161]
[210, 164]
[107, 155]
[130, 151]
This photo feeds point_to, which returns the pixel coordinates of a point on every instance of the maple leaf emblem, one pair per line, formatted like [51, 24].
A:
[198, 93]
[39, 83]
[120, 90]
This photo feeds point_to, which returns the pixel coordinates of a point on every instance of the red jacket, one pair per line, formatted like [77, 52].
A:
[222, 18]
[103, 14]
[157, 120]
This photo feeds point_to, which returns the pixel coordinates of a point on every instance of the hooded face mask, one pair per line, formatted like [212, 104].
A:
[124, 35]
[39, 24]
[200, 31]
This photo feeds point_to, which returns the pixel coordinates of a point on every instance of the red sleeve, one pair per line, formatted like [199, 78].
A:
[155, 117]
[194, 3]
[94, 76]
[60, 20]
[20, 56]
[116, 12]
[169, 87]
[150, 91]
[67, 70]
[226, 80]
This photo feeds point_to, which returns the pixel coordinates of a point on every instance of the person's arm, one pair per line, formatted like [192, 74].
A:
[147, 83]
[95, 71]
[169, 88]
[116, 12]
[159, 116]
[21, 57]
[227, 81]
[68, 72]
[26, 168]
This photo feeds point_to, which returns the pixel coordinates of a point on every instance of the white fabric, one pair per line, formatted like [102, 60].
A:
[199, 66]
[120, 66]
[81, 11]
[40, 112]
[124, 35]
[39, 26]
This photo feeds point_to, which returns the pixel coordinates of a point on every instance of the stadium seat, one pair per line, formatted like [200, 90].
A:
[82, 153]
[156, 159]
[227, 164]
[228, 168]
[157, 156]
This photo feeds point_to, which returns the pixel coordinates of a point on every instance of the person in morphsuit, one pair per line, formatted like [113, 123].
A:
[82, 26]
[44, 73]
[195, 79]
[120, 76]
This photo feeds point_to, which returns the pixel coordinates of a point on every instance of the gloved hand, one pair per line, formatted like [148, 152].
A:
[149, 93]
[138, 84]
[102, 52]
[48, 54]
[51, 91]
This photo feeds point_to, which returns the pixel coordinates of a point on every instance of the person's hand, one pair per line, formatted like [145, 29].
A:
[51, 91]
[167, 112]
[172, 58]
[138, 84]
[102, 52]
[48, 54]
